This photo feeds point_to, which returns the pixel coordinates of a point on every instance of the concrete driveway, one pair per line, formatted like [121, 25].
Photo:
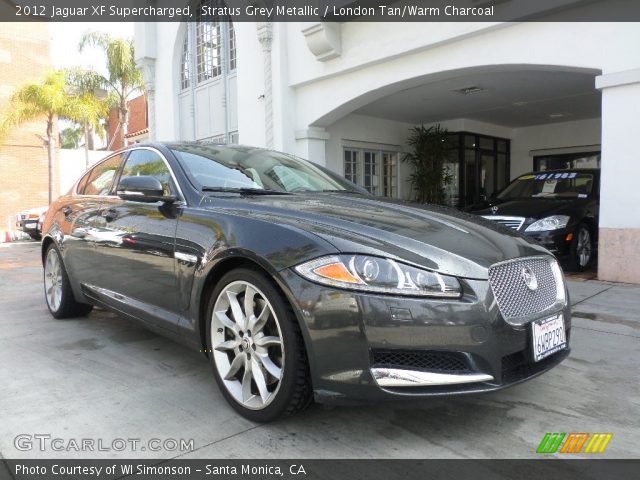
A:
[105, 378]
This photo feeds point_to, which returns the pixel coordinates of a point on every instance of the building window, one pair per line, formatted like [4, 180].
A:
[232, 47]
[185, 64]
[375, 170]
[351, 165]
[390, 174]
[208, 46]
[214, 43]
[477, 166]
[566, 161]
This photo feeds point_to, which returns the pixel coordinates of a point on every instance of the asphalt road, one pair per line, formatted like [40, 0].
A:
[103, 378]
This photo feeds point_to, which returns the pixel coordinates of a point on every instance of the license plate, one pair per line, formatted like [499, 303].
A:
[548, 336]
[31, 225]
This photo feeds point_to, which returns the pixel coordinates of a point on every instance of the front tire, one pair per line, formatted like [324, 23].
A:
[581, 250]
[57, 289]
[255, 347]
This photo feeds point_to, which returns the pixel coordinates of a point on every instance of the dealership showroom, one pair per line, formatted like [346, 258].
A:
[258, 307]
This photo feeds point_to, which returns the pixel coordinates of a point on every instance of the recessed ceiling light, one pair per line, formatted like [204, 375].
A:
[519, 104]
[557, 115]
[469, 90]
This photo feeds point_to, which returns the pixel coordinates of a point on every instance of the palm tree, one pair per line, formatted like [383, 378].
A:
[50, 99]
[123, 77]
[94, 104]
[70, 137]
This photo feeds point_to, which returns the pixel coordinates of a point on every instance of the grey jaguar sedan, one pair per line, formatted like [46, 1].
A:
[297, 285]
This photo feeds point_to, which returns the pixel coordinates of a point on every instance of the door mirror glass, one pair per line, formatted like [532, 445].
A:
[142, 188]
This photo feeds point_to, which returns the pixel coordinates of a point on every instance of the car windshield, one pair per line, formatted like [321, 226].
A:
[246, 169]
[549, 185]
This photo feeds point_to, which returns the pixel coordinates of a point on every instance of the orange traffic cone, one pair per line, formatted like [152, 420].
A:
[7, 237]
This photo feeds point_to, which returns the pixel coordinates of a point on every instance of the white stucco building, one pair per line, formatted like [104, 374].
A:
[526, 95]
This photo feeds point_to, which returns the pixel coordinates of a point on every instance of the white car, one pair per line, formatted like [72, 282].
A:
[30, 221]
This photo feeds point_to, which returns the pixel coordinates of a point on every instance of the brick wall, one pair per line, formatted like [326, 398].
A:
[137, 122]
[24, 57]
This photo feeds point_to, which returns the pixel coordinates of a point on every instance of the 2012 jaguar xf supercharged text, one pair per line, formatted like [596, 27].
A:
[299, 285]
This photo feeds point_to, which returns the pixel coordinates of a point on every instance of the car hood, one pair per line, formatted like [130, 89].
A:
[529, 208]
[438, 238]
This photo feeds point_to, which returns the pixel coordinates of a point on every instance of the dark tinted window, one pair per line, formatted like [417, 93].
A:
[149, 163]
[101, 177]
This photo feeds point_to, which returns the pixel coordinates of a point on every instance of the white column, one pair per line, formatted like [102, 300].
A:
[265, 36]
[619, 234]
[311, 144]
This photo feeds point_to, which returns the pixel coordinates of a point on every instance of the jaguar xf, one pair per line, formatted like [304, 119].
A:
[298, 285]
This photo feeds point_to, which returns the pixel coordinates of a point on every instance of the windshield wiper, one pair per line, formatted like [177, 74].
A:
[244, 191]
[353, 192]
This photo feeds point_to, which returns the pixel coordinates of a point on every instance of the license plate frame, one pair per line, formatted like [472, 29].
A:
[548, 336]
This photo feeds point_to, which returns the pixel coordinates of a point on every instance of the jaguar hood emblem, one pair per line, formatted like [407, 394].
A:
[494, 209]
[529, 278]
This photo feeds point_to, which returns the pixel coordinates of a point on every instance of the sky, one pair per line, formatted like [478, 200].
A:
[65, 37]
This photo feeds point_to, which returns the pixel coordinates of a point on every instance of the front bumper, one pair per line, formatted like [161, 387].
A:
[387, 347]
[556, 241]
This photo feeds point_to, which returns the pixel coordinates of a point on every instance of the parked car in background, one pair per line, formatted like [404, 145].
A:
[558, 208]
[30, 222]
[297, 284]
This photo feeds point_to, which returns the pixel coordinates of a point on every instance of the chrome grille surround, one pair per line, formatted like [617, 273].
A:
[518, 303]
[512, 222]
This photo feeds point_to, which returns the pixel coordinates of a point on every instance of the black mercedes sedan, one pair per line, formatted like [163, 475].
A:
[558, 208]
[298, 285]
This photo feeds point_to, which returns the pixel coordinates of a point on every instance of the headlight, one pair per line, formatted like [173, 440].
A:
[554, 222]
[379, 275]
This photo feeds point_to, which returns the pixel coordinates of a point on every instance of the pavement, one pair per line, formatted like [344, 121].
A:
[106, 379]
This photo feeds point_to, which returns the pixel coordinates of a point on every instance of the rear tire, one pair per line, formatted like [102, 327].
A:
[57, 289]
[581, 249]
[256, 348]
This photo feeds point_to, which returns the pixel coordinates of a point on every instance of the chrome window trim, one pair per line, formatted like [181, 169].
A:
[561, 297]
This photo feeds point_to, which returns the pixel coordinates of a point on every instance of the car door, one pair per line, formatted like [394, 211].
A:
[81, 221]
[136, 255]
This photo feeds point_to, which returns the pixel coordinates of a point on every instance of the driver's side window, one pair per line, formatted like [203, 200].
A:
[149, 163]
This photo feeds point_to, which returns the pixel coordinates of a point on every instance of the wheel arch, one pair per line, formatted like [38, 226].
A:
[236, 261]
[46, 241]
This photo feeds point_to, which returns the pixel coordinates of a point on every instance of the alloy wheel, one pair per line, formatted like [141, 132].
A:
[247, 345]
[53, 280]
[583, 249]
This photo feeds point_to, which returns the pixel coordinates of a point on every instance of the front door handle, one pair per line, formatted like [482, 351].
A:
[109, 214]
[67, 210]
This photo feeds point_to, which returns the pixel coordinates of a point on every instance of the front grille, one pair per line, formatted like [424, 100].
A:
[515, 299]
[512, 222]
[432, 361]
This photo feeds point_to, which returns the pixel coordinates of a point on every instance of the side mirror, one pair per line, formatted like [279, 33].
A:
[143, 188]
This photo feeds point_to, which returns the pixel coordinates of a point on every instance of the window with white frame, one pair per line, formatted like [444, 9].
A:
[211, 43]
[374, 169]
